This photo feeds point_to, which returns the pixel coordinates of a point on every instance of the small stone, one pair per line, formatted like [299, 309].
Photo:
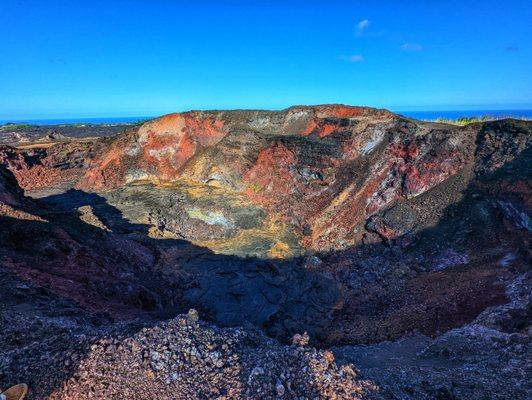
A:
[194, 352]
[329, 356]
[300, 340]
[193, 315]
[279, 388]
[135, 347]
[348, 370]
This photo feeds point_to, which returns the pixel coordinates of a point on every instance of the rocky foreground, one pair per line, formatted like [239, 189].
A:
[400, 247]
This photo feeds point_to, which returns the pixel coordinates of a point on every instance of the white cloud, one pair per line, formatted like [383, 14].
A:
[411, 47]
[362, 25]
[356, 58]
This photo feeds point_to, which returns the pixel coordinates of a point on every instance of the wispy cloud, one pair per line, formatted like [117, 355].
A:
[411, 47]
[511, 48]
[56, 61]
[362, 25]
[355, 58]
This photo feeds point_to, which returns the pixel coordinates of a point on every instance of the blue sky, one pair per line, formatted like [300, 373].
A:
[123, 58]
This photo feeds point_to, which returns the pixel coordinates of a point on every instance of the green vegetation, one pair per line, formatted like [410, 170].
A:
[11, 126]
[141, 121]
[462, 121]
[78, 124]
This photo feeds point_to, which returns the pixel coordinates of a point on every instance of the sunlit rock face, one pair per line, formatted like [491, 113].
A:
[272, 184]
[317, 174]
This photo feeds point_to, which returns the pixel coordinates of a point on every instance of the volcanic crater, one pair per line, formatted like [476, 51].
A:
[329, 251]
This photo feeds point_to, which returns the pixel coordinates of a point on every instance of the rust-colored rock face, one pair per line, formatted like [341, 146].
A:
[297, 163]
[352, 224]
[158, 150]
[59, 166]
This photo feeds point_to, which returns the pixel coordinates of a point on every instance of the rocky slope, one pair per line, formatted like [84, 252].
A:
[44, 135]
[402, 244]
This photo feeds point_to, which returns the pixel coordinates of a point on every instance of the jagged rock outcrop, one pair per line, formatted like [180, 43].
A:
[10, 191]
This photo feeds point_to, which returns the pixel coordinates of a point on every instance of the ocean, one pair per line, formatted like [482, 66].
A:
[423, 115]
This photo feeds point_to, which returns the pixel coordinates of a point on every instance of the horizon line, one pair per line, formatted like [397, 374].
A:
[397, 109]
